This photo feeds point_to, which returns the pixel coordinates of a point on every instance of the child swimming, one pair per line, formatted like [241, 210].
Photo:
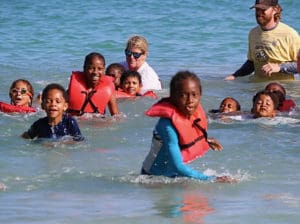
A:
[115, 70]
[180, 136]
[56, 124]
[264, 104]
[283, 104]
[228, 105]
[21, 94]
[91, 91]
[131, 85]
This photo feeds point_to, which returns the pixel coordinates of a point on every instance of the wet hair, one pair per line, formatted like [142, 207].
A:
[281, 98]
[114, 66]
[137, 41]
[57, 87]
[272, 95]
[29, 88]
[179, 77]
[282, 89]
[281, 93]
[238, 105]
[90, 56]
[128, 73]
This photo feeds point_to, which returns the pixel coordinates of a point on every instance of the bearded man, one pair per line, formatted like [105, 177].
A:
[272, 48]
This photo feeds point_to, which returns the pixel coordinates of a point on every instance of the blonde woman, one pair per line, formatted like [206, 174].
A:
[136, 53]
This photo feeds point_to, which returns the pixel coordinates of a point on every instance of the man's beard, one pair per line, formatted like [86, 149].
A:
[263, 20]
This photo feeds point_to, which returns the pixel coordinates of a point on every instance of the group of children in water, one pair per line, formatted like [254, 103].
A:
[180, 135]
[265, 103]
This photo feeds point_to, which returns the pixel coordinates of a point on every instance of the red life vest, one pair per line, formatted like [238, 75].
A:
[192, 132]
[287, 105]
[9, 108]
[122, 94]
[81, 101]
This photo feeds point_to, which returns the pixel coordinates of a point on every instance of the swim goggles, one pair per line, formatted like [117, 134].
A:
[136, 55]
[22, 91]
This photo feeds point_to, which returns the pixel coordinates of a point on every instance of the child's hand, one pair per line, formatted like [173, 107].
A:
[214, 144]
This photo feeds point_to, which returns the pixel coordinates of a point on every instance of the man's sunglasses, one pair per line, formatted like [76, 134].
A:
[136, 55]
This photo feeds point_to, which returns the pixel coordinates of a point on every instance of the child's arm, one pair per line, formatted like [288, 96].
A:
[214, 144]
[25, 135]
[74, 130]
[113, 106]
[32, 132]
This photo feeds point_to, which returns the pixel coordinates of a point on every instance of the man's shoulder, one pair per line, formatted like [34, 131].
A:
[286, 27]
[254, 30]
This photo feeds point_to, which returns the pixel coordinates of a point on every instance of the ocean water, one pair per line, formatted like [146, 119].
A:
[98, 181]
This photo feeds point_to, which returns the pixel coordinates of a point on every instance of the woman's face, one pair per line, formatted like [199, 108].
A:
[187, 97]
[135, 58]
[94, 71]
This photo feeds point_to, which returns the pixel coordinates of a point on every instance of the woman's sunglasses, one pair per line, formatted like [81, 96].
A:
[136, 55]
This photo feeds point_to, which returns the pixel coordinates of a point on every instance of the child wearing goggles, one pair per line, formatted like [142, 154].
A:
[21, 94]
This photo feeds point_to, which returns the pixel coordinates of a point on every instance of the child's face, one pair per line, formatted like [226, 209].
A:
[274, 88]
[188, 97]
[263, 107]
[20, 95]
[94, 71]
[131, 85]
[55, 105]
[228, 105]
[116, 73]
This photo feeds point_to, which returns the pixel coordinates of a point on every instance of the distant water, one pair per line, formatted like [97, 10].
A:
[98, 181]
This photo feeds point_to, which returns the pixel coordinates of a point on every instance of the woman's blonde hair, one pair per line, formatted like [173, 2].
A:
[137, 41]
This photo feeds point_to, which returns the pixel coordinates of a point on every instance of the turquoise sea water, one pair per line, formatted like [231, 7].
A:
[98, 181]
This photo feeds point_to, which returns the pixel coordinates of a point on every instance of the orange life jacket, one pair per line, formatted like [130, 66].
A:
[287, 105]
[81, 101]
[9, 108]
[192, 132]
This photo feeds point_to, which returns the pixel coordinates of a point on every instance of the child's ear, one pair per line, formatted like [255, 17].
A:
[66, 106]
